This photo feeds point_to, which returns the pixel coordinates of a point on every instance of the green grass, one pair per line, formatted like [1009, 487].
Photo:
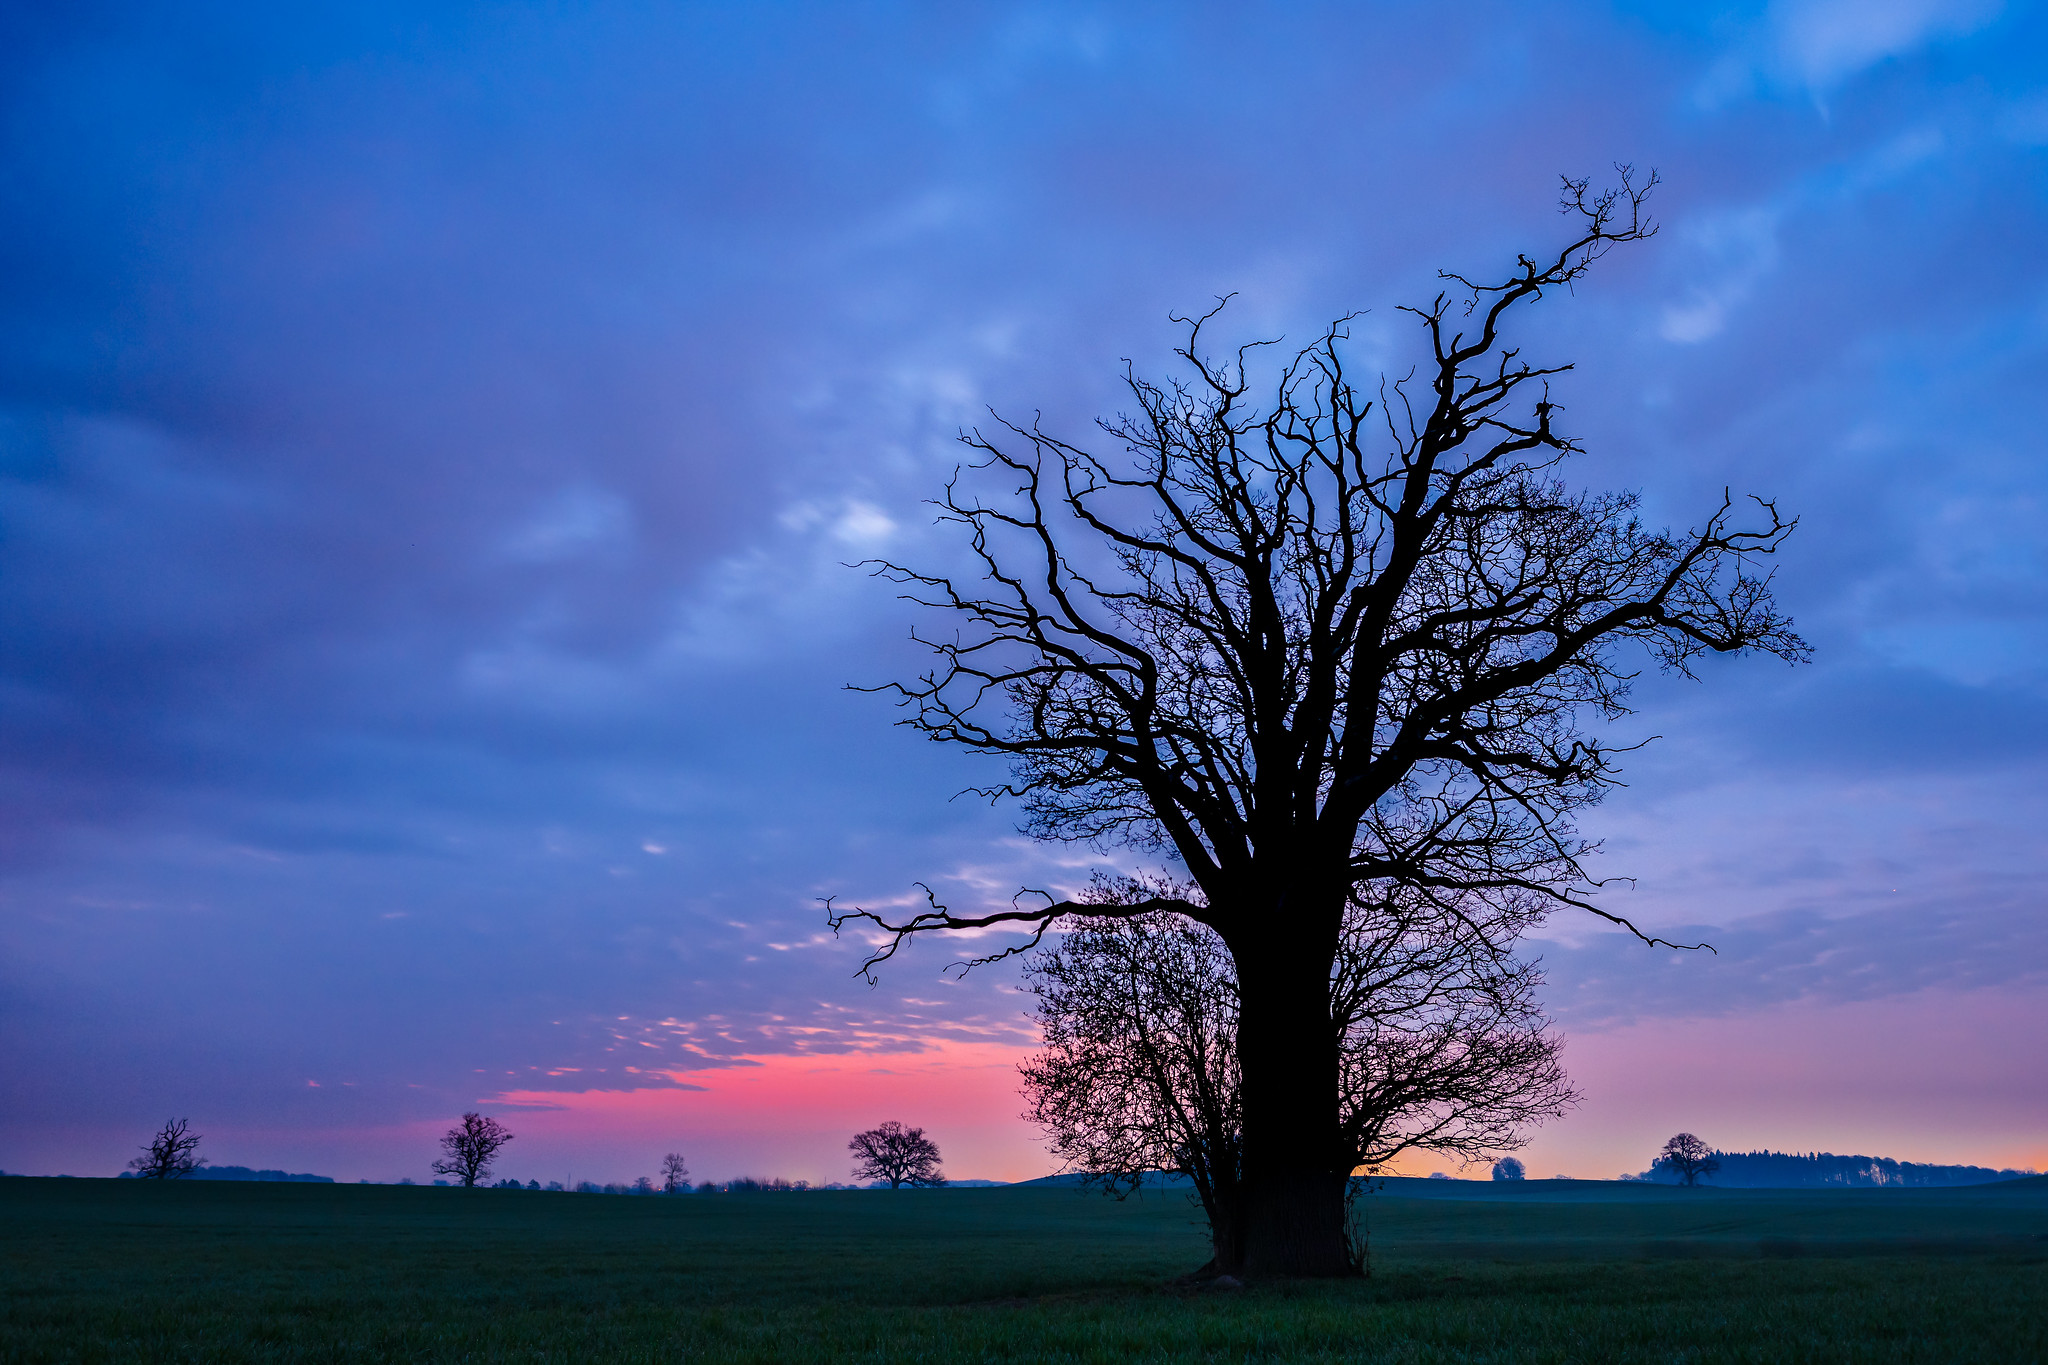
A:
[105, 1270]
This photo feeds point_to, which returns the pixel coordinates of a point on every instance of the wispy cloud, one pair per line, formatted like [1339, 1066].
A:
[1815, 46]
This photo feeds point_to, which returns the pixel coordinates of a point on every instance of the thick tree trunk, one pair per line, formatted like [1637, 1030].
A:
[1292, 1202]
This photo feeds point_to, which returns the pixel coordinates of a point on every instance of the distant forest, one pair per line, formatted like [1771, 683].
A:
[244, 1173]
[1794, 1170]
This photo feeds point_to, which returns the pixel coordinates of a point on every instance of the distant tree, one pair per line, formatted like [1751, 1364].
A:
[469, 1147]
[1688, 1158]
[1510, 1168]
[673, 1173]
[1441, 1046]
[902, 1156]
[170, 1154]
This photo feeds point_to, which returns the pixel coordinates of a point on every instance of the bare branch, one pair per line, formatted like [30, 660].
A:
[1320, 642]
[939, 917]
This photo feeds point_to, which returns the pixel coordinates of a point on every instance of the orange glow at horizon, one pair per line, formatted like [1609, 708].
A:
[1839, 1077]
[791, 1115]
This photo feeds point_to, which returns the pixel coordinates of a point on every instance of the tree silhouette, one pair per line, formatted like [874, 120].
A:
[1314, 648]
[170, 1154]
[902, 1156]
[1442, 1047]
[1139, 1068]
[1510, 1168]
[1688, 1158]
[674, 1173]
[469, 1147]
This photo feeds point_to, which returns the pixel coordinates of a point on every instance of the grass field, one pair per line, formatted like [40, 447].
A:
[106, 1270]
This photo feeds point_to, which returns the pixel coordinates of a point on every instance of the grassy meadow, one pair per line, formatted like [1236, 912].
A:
[1466, 1272]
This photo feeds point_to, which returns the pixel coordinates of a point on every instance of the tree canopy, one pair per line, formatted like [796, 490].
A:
[469, 1147]
[1314, 643]
[902, 1156]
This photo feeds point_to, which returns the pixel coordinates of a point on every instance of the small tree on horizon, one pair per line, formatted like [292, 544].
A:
[1510, 1168]
[674, 1173]
[902, 1156]
[470, 1145]
[1688, 1158]
[169, 1155]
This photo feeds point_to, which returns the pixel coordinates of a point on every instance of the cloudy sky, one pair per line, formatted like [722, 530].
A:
[432, 439]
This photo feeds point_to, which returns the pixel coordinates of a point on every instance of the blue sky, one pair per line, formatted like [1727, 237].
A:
[432, 439]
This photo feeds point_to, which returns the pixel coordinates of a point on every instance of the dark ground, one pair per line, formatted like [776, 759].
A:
[1462, 1271]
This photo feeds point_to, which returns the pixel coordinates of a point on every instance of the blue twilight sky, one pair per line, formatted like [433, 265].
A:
[431, 438]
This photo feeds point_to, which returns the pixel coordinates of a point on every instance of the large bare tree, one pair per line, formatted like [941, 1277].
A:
[1312, 647]
[1442, 1047]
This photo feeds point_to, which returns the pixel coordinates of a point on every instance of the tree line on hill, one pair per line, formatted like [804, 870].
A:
[1797, 1170]
[645, 1186]
[245, 1173]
